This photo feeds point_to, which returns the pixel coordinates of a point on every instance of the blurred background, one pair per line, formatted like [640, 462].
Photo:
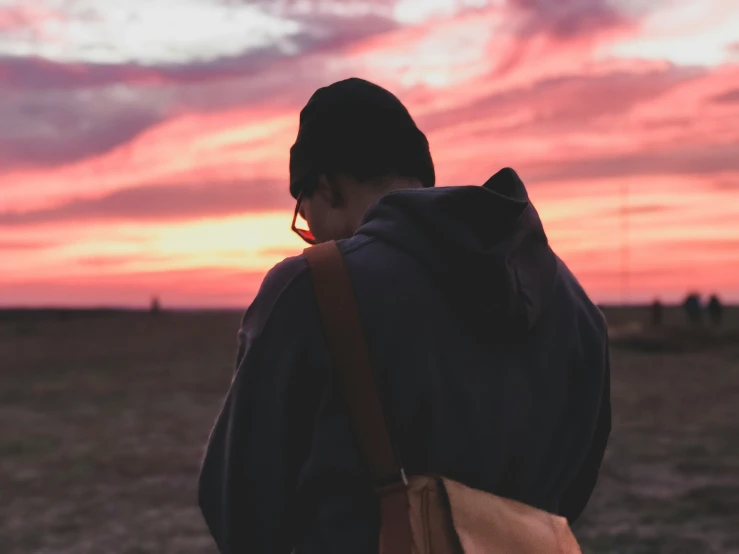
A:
[143, 196]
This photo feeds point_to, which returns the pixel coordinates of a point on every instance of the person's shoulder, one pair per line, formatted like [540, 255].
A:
[286, 277]
[282, 276]
[280, 282]
[287, 285]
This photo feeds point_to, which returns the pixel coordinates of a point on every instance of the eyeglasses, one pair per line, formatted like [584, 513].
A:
[303, 232]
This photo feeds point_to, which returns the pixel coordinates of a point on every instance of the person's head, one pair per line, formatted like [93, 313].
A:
[356, 142]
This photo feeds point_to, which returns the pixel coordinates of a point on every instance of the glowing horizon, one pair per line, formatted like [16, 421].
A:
[143, 155]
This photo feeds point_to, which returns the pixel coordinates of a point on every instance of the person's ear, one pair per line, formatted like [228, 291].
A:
[330, 190]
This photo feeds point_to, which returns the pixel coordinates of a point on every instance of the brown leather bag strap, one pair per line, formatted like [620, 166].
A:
[349, 351]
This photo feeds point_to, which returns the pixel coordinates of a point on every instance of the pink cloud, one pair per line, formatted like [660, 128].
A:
[12, 245]
[27, 17]
[728, 97]
[521, 85]
[569, 18]
[60, 128]
[171, 202]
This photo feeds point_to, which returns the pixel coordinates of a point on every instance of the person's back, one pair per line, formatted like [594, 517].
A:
[491, 361]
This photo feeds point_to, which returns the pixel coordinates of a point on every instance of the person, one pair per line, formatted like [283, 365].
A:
[657, 312]
[491, 360]
[715, 309]
[693, 308]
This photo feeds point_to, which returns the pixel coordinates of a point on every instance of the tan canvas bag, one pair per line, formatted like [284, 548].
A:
[419, 514]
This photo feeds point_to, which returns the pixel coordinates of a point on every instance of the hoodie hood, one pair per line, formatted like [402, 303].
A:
[485, 247]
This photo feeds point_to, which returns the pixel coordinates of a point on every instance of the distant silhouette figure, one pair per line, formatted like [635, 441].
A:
[155, 307]
[715, 310]
[693, 308]
[657, 313]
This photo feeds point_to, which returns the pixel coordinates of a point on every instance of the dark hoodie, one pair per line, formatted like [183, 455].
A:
[491, 360]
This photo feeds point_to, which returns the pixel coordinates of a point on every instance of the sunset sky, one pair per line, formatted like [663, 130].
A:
[144, 143]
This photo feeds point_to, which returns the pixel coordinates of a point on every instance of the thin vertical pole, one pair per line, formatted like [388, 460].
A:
[625, 249]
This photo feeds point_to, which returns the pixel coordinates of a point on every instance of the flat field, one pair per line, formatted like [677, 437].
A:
[104, 415]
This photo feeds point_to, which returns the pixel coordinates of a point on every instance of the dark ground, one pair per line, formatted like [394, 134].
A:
[103, 418]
